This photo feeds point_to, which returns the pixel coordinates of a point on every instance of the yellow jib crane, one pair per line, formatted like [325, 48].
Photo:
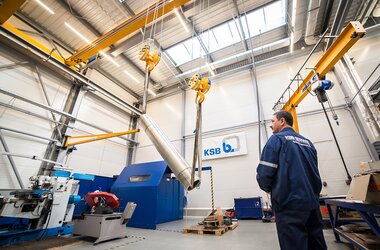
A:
[95, 137]
[349, 36]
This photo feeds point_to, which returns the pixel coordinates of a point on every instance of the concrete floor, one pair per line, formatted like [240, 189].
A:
[250, 234]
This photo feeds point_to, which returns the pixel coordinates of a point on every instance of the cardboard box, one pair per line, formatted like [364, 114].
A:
[369, 166]
[365, 188]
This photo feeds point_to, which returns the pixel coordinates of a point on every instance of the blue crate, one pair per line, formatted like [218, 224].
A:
[248, 208]
[254, 202]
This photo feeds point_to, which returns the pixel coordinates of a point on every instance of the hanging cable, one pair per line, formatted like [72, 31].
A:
[349, 178]
[201, 85]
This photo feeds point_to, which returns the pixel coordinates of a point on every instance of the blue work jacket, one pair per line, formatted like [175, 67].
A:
[288, 169]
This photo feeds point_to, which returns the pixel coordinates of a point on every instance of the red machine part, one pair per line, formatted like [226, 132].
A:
[93, 198]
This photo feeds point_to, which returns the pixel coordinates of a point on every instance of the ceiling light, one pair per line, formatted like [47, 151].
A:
[77, 33]
[109, 58]
[181, 20]
[131, 76]
[151, 92]
[45, 7]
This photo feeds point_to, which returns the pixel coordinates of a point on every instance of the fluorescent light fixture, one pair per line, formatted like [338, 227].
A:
[151, 92]
[77, 33]
[88, 42]
[210, 69]
[109, 58]
[181, 20]
[45, 7]
[131, 76]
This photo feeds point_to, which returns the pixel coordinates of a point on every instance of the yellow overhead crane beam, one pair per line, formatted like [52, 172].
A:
[127, 27]
[8, 7]
[29, 39]
[349, 36]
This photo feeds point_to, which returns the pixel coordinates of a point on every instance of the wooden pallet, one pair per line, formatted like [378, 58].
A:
[202, 230]
[233, 226]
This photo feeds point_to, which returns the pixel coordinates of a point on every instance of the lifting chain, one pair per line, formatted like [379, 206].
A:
[201, 86]
[212, 190]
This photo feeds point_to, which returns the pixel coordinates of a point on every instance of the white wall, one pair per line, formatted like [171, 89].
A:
[22, 80]
[168, 115]
[366, 57]
[106, 158]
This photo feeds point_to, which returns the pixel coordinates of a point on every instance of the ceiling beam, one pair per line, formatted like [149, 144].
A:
[240, 25]
[339, 20]
[71, 50]
[156, 43]
[97, 33]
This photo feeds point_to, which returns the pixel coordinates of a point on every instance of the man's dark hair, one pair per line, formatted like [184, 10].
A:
[286, 115]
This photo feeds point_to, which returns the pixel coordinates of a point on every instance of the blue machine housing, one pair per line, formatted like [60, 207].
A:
[159, 198]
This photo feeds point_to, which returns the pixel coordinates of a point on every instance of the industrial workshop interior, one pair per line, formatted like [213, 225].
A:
[190, 124]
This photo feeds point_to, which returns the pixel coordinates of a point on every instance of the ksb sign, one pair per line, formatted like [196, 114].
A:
[224, 146]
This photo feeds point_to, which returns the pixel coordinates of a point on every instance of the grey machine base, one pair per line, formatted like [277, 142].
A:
[101, 226]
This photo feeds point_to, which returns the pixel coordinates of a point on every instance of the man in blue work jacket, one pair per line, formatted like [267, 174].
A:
[288, 169]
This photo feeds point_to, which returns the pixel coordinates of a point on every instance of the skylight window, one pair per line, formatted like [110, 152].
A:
[269, 17]
[186, 51]
[274, 15]
[256, 22]
[221, 36]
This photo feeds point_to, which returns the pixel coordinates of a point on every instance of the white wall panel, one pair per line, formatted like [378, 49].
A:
[229, 102]
[366, 57]
[149, 153]
[234, 177]
[22, 81]
[167, 114]
[105, 157]
[110, 86]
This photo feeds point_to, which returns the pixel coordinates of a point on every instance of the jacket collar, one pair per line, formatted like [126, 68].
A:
[287, 129]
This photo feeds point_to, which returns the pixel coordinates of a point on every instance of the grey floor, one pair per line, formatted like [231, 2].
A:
[250, 234]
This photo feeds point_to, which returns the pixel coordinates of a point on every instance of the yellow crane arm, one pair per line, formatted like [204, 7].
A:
[8, 7]
[95, 137]
[127, 27]
[349, 36]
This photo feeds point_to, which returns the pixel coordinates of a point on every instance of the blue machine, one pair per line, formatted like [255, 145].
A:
[159, 198]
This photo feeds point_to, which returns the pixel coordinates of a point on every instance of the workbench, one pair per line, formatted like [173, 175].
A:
[367, 212]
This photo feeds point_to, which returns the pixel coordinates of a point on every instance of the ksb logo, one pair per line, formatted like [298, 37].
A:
[227, 148]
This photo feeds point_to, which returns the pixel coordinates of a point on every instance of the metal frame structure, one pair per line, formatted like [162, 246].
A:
[366, 211]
